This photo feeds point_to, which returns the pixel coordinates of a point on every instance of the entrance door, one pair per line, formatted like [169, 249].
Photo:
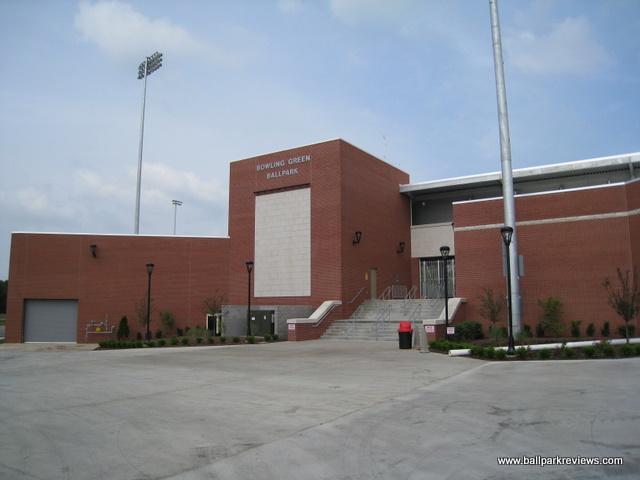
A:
[262, 322]
[373, 276]
[432, 277]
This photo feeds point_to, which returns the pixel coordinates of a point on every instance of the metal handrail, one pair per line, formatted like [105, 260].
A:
[416, 316]
[351, 325]
[407, 298]
[386, 295]
[357, 295]
[381, 319]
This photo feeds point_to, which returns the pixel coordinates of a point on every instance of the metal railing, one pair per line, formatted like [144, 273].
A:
[406, 301]
[415, 318]
[363, 289]
[351, 325]
[384, 315]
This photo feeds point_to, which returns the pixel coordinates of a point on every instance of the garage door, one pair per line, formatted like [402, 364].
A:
[50, 321]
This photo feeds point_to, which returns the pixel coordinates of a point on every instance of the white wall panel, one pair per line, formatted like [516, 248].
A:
[283, 244]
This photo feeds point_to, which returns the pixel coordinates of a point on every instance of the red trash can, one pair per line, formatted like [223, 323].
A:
[405, 335]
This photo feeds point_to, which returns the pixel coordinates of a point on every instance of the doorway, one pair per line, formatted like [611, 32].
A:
[373, 277]
[263, 322]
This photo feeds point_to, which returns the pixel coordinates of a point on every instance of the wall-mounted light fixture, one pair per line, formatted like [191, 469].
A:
[358, 238]
[94, 250]
[400, 248]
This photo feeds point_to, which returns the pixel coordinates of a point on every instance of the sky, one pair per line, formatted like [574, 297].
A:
[411, 82]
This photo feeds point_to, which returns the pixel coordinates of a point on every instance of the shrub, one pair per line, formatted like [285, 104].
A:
[606, 330]
[469, 330]
[174, 341]
[139, 336]
[166, 317]
[568, 352]
[501, 354]
[274, 336]
[622, 330]
[591, 330]
[185, 340]
[575, 328]
[198, 332]
[103, 343]
[267, 337]
[151, 343]
[609, 350]
[552, 315]
[540, 330]
[139, 344]
[251, 339]
[442, 344]
[522, 352]
[199, 339]
[211, 340]
[544, 354]
[626, 350]
[636, 349]
[162, 342]
[158, 333]
[477, 351]
[123, 328]
[180, 332]
[522, 336]
[223, 339]
[497, 333]
[589, 352]
[236, 339]
[489, 352]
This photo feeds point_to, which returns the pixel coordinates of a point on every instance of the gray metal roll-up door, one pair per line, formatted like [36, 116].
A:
[50, 320]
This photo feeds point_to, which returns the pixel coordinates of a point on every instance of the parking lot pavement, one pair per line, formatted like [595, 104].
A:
[313, 410]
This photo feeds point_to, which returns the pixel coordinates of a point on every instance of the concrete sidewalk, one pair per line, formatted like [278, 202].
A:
[313, 410]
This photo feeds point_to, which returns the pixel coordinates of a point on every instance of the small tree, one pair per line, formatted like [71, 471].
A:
[123, 328]
[166, 317]
[625, 300]
[213, 305]
[552, 314]
[141, 311]
[493, 309]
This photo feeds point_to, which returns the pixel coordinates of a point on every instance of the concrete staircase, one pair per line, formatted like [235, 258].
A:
[380, 319]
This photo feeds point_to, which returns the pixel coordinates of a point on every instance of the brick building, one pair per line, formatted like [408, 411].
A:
[326, 227]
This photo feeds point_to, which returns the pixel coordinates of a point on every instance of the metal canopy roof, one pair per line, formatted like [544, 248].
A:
[599, 166]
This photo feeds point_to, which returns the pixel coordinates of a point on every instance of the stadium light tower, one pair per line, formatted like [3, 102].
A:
[146, 68]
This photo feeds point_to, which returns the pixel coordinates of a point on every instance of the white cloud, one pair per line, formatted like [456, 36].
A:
[354, 11]
[37, 202]
[163, 182]
[292, 6]
[568, 48]
[124, 33]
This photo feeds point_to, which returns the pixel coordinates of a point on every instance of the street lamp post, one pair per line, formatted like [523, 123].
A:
[444, 251]
[146, 68]
[249, 270]
[176, 204]
[506, 233]
[149, 272]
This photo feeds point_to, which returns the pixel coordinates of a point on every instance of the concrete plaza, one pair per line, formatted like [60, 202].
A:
[309, 410]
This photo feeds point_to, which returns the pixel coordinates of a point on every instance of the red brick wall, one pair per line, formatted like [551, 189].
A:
[59, 266]
[372, 204]
[564, 258]
[350, 190]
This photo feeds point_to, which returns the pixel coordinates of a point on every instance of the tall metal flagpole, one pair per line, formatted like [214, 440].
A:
[146, 68]
[507, 169]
